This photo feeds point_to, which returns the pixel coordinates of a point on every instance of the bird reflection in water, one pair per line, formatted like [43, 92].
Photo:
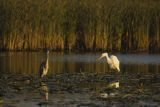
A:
[114, 84]
[44, 91]
[110, 91]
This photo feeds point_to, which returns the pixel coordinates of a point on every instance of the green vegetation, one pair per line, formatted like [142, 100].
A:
[92, 25]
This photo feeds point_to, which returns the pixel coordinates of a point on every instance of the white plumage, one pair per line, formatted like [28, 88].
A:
[112, 61]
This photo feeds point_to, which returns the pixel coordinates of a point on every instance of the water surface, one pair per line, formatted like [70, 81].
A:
[29, 62]
[76, 80]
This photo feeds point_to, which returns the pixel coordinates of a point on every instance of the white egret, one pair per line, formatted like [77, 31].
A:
[112, 61]
[44, 66]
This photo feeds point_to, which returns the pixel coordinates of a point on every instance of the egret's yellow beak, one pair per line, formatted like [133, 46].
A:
[100, 58]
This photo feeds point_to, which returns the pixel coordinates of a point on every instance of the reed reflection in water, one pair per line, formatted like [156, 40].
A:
[29, 62]
[76, 89]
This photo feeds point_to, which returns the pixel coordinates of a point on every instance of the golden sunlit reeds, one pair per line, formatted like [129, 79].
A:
[120, 25]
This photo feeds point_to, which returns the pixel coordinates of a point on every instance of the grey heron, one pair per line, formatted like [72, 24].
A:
[43, 69]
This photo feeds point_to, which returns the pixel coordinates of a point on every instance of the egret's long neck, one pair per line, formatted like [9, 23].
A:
[107, 57]
[47, 57]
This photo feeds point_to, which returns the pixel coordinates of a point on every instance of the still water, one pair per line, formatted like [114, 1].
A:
[29, 62]
[79, 80]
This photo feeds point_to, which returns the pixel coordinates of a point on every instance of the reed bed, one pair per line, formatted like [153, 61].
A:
[83, 25]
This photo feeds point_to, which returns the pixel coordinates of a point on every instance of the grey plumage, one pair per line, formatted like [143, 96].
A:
[43, 69]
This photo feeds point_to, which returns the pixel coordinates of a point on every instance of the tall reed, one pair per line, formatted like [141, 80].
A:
[119, 25]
